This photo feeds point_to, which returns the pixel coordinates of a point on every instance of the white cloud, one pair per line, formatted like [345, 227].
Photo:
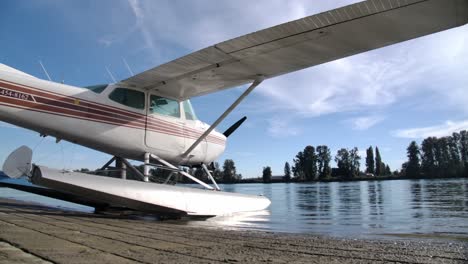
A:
[140, 16]
[432, 131]
[282, 127]
[364, 122]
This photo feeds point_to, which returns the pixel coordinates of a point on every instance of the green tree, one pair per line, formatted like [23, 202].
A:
[305, 164]
[229, 171]
[217, 173]
[343, 162]
[287, 171]
[348, 162]
[370, 165]
[445, 156]
[323, 161]
[388, 171]
[464, 151]
[456, 165]
[379, 165]
[442, 156]
[428, 156]
[266, 174]
[298, 168]
[310, 163]
[354, 161]
[413, 166]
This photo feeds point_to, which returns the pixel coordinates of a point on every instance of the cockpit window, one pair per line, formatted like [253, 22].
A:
[164, 106]
[130, 98]
[96, 88]
[188, 109]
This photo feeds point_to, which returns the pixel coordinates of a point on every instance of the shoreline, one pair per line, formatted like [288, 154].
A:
[357, 179]
[33, 233]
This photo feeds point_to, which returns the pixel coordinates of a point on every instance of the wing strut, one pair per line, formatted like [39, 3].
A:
[223, 116]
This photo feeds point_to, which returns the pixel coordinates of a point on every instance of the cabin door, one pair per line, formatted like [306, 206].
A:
[164, 126]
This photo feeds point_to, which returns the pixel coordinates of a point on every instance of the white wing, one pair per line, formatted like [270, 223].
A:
[300, 44]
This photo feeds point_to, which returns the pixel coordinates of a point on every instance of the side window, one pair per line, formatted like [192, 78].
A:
[130, 98]
[188, 109]
[164, 106]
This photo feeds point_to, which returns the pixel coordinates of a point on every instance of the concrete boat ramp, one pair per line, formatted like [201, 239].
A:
[31, 233]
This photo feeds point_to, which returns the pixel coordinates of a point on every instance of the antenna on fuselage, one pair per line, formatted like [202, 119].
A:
[45, 71]
[110, 74]
[128, 66]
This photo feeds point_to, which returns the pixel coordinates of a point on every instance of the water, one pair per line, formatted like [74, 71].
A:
[350, 209]
[357, 209]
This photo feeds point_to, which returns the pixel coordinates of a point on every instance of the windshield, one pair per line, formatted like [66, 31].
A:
[188, 109]
[96, 88]
[164, 106]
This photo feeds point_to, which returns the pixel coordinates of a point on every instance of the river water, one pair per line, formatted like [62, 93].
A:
[436, 207]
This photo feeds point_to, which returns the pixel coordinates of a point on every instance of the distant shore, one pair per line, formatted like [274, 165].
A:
[33, 233]
[367, 178]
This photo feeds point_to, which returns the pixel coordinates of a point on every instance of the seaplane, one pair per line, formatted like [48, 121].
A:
[148, 117]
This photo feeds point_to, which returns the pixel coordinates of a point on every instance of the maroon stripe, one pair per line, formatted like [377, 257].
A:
[62, 112]
[69, 99]
[11, 103]
[87, 110]
[54, 109]
[69, 103]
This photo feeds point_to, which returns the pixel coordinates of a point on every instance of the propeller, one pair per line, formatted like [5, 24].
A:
[235, 126]
[227, 133]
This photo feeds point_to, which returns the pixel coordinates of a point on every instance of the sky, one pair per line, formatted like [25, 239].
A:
[385, 98]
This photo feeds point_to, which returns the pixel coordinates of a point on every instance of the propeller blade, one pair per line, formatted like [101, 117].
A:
[233, 128]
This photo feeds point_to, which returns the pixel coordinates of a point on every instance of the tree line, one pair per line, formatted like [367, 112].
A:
[314, 164]
[438, 157]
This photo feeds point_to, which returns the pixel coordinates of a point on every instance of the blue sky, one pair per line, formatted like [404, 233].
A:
[386, 97]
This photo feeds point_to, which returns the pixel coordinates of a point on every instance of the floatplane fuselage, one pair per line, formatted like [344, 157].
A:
[118, 120]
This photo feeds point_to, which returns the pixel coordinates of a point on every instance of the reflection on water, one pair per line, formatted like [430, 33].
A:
[356, 208]
[342, 208]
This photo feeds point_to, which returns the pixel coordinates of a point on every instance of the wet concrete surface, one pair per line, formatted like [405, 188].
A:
[31, 233]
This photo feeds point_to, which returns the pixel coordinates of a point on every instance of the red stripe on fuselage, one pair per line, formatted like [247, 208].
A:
[83, 109]
[121, 113]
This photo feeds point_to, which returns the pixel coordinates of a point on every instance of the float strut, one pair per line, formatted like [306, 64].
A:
[107, 164]
[120, 164]
[146, 168]
[210, 176]
[169, 165]
[132, 168]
